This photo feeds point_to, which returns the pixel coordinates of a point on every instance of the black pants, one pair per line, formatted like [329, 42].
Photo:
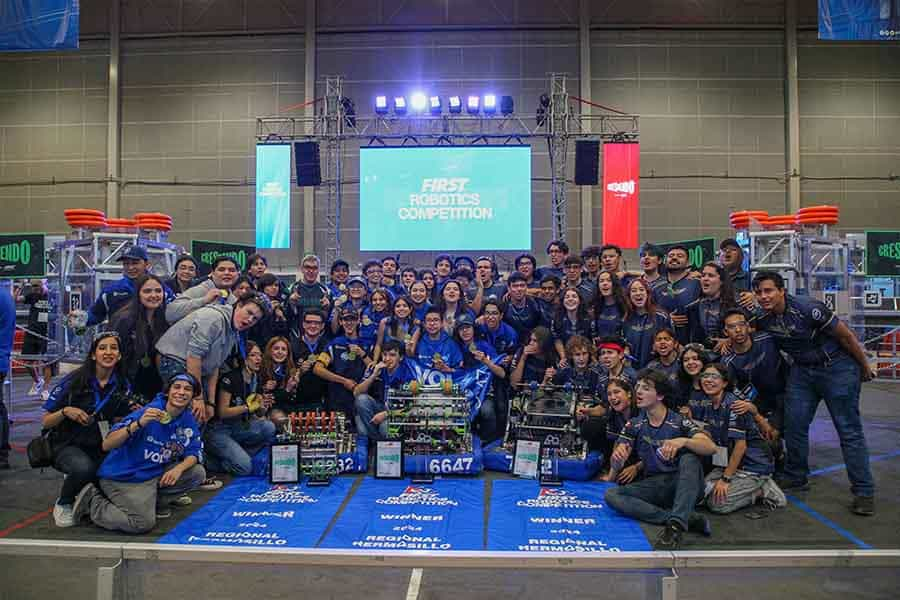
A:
[80, 466]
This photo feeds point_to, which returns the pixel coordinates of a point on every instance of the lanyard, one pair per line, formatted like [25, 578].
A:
[98, 402]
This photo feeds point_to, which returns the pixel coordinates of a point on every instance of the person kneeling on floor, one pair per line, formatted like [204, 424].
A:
[669, 447]
[153, 460]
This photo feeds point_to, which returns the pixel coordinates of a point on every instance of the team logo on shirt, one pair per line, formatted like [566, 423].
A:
[816, 314]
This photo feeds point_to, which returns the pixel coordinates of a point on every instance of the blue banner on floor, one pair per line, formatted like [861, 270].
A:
[526, 517]
[252, 512]
[498, 458]
[398, 515]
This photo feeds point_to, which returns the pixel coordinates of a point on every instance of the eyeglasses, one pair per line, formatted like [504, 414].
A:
[310, 267]
[349, 318]
[711, 376]
[492, 313]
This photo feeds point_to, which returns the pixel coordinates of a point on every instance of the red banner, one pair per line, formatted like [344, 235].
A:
[621, 190]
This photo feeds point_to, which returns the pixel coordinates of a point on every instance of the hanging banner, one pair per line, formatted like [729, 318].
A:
[859, 20]
[273, 196]
[39, 25]
[526, 517]
[883, 254]
[700, 251]
[205, 253]
[252, 512]
[621, 193]
[22, 255]
[387, 514]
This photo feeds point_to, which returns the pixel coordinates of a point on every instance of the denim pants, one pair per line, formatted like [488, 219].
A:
[664, 497]
[366, 408]
[80, 467]
[838, 384]
[230, 446]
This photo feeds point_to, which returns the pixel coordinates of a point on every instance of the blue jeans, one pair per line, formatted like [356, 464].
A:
[80, 467]
[838, 384]
[230, 446]
[664, 497]
[366, 408]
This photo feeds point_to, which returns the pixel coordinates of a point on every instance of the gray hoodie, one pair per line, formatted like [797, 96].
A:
[190, 300]
[206, 333]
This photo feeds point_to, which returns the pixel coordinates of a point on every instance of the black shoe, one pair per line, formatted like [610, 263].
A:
[669, 538]
[863, 505]
[789, 484]
[697, 523]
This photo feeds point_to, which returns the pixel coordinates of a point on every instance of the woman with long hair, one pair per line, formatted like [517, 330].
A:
[642, 320]
[536, 361]
[428, 277]
[453, 305]
[622, 408]
[400, 326]
[418, 296]
[140, 323]
[571, 319]
[79, 412]
[240, 428]
[705, 314]
[610, 306]
[694, 358]
[379, 308]
[278, 377]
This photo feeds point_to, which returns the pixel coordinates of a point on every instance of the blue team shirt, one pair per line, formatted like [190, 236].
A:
[504, 339]
[115, 296]
[404, 373]
[645, 439]
[523, 319]
[761, 365]
[608, 322]
[804, 331]
[368, 325]
[562, 328]
[603, 377]
[586, 379]
[444, 345]
[154, 447]
[671, 372]
[469, 361]
[725, 427]
[639, 330]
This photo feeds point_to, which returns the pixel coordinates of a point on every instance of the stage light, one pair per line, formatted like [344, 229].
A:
[399, 105]
[418, 102]
[454, 104]
[472, 105]
[435, 103]
[506, 105]
[381, 105]
[490, 104]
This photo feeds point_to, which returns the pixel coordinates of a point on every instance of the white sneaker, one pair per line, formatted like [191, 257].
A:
[33, 390]
[39, 386]
[63, 516]
[45, 395]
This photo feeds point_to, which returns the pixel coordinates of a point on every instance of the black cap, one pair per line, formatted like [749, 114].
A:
[729, 242]
[135, 253]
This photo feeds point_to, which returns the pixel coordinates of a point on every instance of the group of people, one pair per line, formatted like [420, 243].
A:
[704, 382]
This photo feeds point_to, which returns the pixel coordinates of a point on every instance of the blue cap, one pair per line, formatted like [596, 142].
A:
[463, 320]
[357, 279]
[135, 253]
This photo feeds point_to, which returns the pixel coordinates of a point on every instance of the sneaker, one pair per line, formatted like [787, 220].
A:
[772, 494]
[39, 386]
[82, 506]
[698, 523]
[669, 538]
[863, 505]
[45, 395]
[33, 390]
[163, 512]
[62, 515]
[210, 484]
[184, 500]
[793, 485]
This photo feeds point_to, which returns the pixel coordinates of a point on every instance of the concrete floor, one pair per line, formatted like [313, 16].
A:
[817, 519]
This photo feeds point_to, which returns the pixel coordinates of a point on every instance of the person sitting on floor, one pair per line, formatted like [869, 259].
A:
[79, 411]
[154, 459]
[669, 447]
[392, 371]
[743, 463]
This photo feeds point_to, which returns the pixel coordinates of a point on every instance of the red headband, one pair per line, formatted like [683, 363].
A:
[611, 346]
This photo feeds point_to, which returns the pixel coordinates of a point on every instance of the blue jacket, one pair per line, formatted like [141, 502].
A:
[7, 327]
[115, 296]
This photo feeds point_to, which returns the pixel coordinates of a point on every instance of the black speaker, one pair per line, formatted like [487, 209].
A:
[306, 157]
[587, 162]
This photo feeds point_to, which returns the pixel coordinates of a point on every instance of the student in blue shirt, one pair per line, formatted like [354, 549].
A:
[557, 252]
[443, 265]
[705, 313]
[694, 357]
[401, 326]
[536, 361]
[642, 322]
[498, 334]
[665, 352]
[418, 297]
[452, 304]
[521, 312]
[343, 363]
[391, 372]
[78, 412]
[669, 447]
[743, 463]
[571, 319]
[476, 353]
[621, 409]
[610, 306]
[526, 265]
[680, 290]
[379, 308]
[154, 459]
[338, 275]
[135, 262]
[548, 300]
[408, 276]
[612, 365]
[573, 279]
[652, 264]
[829, 364]
[436, 349]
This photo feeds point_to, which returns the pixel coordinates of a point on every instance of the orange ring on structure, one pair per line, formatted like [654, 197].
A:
[83, 212]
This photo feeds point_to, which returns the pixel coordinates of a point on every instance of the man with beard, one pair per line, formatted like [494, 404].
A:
[680, 290]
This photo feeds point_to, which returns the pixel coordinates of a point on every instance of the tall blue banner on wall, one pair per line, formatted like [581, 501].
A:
[398, 515]
[38, 25]
[526, 517]
[859, 19]
[273, 196]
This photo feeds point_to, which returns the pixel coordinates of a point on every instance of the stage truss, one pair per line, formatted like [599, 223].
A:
[333, 128]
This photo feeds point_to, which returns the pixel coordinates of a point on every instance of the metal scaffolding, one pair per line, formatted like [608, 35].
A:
[333, 127]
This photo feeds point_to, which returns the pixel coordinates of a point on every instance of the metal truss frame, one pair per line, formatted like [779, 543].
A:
[333, 128]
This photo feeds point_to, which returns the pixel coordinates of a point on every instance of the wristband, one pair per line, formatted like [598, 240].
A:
[726, 478]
